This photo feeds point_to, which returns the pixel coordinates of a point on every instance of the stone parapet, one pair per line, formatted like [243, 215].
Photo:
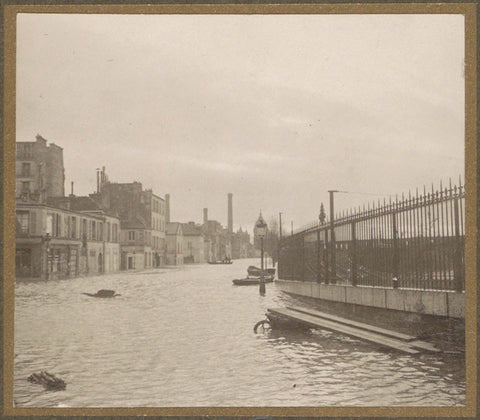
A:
[427, 302]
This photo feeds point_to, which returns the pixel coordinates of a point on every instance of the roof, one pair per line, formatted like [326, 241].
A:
[74, 203]
[80, 204]
[134, 223]
[173, 228]
[190, 229]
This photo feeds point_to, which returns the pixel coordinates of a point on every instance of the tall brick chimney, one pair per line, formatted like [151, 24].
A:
[230, 213]
[205, 216]
[167, 208]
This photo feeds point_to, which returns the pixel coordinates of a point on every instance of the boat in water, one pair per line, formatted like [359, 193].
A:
[257, 272]
[252, 281]
[221, 262]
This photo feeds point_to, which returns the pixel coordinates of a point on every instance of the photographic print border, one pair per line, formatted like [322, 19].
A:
[469, 10]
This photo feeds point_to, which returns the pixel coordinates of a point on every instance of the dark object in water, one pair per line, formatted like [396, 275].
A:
[264, 323]
[47, 380]
[251, 281]
[255, 271]
[103, 293]
[221, 262]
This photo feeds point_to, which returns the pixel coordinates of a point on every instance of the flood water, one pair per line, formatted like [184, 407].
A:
[184, 337]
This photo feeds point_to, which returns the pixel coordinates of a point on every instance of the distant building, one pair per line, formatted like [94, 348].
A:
[58, 236]
[241, 245]
[39, 171]
[174, 242]
[193, 243]
[135, 241]
[142, 215]
[59, 242]
[217, 241]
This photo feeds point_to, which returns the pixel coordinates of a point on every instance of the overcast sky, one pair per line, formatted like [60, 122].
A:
[275, 109]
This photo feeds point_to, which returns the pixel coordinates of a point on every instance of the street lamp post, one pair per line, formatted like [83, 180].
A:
[260, 231]
[333, 271]
[46, 239]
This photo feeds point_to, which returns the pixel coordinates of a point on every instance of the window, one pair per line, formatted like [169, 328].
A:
[49, 228]
[131, 235]
[108, 232]
[26, 168]
[66, 226]
[94, 230]
[100, 231]
[73, 230]
[57, 225]
[23, 220]
[25, 186]
[115, 233]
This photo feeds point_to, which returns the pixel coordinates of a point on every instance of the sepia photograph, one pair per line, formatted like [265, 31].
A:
[240, 210]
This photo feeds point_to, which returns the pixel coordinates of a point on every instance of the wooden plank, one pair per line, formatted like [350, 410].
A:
[345, 329]
[413, 342]
[423, 345]
[361, 325]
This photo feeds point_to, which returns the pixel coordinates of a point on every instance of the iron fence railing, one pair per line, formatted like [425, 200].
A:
[416, 241]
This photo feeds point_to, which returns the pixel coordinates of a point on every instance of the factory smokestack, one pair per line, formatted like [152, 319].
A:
[167, 208]
[205, 216]
[230, 213]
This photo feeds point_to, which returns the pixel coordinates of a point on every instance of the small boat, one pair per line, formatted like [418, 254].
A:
[255, 271]
[252, 281]
[221, 262]
[103, 293]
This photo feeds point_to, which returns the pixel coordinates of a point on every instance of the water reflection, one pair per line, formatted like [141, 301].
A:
[184, 337]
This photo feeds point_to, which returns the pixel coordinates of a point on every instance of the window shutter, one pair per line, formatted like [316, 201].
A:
[33, 223]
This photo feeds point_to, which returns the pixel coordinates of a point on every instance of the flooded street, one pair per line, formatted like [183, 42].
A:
[184, 337]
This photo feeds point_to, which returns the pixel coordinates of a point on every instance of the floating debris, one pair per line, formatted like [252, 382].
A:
[103, 293]
[264, 324]
[48, 380]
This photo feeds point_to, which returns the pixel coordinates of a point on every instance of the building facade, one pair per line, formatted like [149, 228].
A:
[55, 243]
[58, 236]
[241, 245]
[135, 241]
[142, 215]
[217, 241]
[174, 244]
[193, 243]
[39, 171]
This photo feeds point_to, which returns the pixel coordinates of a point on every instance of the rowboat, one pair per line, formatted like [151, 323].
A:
[221, 262]
[257, 272]
[251, 281]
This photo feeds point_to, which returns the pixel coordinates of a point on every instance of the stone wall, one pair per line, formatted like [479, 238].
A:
[439, 303]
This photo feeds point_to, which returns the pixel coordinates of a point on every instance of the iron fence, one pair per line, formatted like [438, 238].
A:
[416, 241]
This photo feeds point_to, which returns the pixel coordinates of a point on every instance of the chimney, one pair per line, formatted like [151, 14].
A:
[98, 180]
[71, 194]
[102, 182]
[167, 208]
[205, 216]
